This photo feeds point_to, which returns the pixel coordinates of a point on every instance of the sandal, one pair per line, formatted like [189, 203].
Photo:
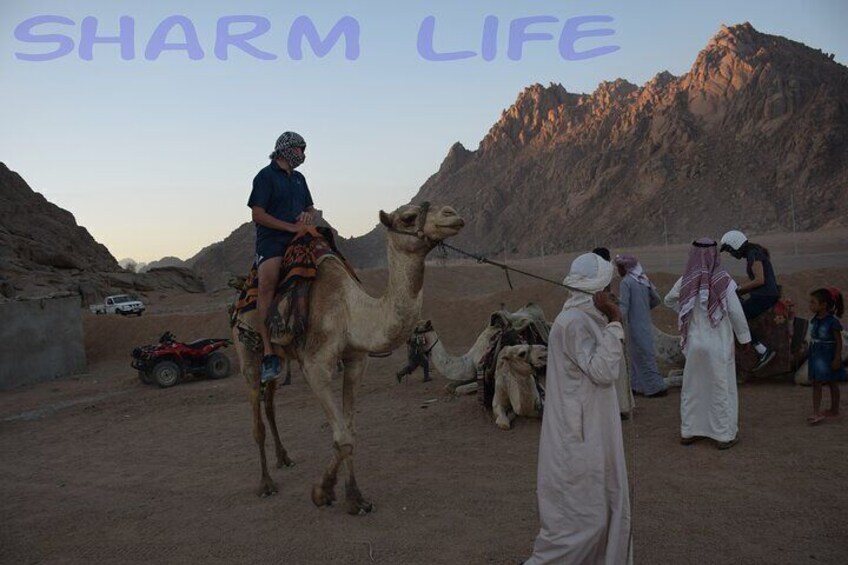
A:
[815, 419]
[722, 445]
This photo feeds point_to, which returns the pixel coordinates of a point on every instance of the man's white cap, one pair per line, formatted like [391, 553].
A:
[733, 239]
[589, 272]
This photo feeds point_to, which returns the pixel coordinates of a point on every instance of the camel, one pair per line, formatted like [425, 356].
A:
[458, 369]
[516, 393]
[345, 324]
[667, 348]
[674, 356]
[462, 370]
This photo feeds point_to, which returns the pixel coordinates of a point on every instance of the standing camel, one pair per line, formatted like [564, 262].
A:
[345, 324]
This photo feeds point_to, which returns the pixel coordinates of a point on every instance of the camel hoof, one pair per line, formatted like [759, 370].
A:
[266, 488]
[504, 425]
[321, 497]
[285, 463]
[359, 507]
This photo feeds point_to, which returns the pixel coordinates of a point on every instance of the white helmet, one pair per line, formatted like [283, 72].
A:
[733, 240]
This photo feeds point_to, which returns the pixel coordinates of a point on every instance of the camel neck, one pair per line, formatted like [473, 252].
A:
[399, 309]
[406, 275]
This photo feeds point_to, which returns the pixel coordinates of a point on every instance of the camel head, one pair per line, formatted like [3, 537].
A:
[417, 229]
[524, 359]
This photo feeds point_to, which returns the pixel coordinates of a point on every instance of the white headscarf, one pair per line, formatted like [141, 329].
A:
[591, 273]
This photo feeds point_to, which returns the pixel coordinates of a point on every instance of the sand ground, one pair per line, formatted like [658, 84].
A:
[100, 468]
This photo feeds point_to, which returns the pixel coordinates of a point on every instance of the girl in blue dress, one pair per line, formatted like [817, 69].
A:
[825, 356]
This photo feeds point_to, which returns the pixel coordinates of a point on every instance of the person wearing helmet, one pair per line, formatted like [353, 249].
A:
[762, 289]
[281, 204]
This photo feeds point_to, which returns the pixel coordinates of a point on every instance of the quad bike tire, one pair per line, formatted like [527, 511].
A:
[166, 374]
[218, 366]
[145, 377]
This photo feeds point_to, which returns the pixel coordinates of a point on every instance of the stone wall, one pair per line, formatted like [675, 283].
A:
[40, 340]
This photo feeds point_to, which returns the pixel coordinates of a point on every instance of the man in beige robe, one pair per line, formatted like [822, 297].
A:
[582, 491]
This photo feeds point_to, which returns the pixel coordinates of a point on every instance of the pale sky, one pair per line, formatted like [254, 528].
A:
[156, 157]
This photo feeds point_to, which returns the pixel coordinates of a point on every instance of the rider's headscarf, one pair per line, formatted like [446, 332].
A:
[284, 148]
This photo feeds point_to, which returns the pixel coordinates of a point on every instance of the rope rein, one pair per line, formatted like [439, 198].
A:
[442, 246]
[506, 268]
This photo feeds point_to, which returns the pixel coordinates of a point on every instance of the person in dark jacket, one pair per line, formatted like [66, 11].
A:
[417, 353]
[761, 290]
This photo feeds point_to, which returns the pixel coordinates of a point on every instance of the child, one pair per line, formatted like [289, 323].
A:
[825, 358]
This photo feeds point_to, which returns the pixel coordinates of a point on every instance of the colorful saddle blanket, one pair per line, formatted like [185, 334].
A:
[310, 246]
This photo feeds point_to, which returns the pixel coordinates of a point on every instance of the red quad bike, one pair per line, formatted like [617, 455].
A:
[170, 360]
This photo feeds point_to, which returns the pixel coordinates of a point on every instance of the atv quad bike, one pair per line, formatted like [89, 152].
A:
[169, 361]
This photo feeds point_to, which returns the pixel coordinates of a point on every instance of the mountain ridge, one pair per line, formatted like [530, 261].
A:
[754, 131]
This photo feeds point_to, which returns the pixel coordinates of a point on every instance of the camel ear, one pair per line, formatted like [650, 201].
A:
[385, 219]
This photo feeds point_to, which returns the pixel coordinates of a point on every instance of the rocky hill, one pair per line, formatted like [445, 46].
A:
[43, 251]
[218, 262]
[757, 127]
[169, 261]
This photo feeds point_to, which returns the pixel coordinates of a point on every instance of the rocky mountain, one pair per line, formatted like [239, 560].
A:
[43, 251]
[758, 125]
[233, 256]
[169, 261]
[756, 128]
[218, 262]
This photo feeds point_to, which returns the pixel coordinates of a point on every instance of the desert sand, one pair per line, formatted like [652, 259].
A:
[101, 468]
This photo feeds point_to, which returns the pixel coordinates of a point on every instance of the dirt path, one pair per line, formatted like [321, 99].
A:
[152, 475]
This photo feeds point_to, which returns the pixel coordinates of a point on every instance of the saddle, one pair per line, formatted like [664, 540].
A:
[289, 313]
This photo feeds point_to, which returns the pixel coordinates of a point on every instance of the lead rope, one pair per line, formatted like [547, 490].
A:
[506, 268]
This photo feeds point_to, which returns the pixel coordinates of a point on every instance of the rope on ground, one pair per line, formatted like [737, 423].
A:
[506, 268]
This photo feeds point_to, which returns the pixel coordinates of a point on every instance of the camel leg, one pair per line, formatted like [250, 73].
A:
[318, 373]
[249, 364]
[287, 381]
[283, 459]
[266, 486]
[354, 369]
[500, 402]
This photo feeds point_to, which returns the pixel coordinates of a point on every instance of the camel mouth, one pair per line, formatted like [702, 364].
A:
[456, 224]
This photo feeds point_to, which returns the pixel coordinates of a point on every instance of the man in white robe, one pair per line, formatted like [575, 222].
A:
[582, 491]
[709, 314]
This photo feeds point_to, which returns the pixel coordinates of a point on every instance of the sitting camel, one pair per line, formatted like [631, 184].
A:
[667, 348]
[345, 324]
[462, 370]
[516, 393]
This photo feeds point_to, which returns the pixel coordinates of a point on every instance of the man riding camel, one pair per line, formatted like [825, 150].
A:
[281, 205]
[762, 288]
